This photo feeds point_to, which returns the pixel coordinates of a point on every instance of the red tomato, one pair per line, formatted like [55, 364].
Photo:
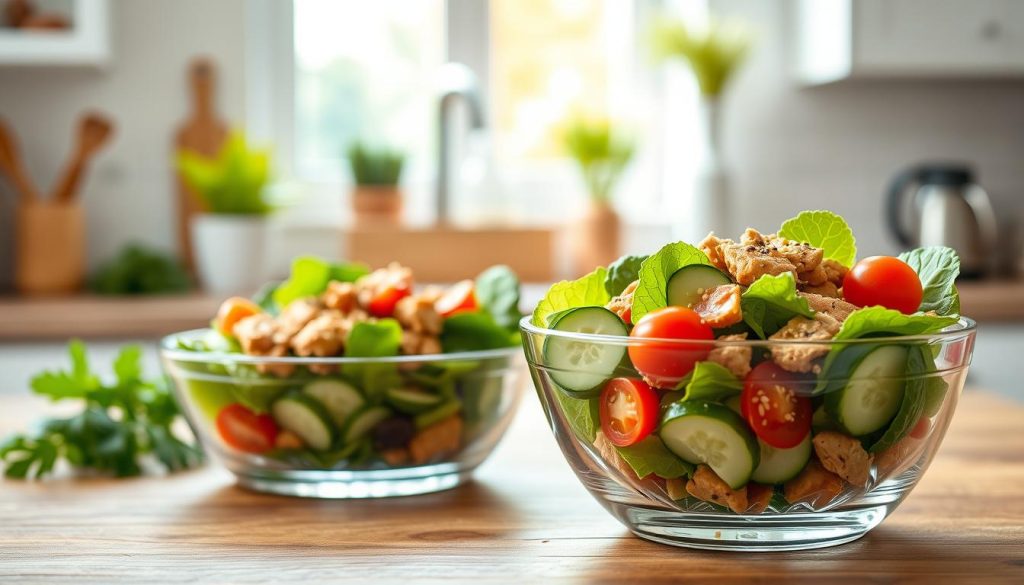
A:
[232, 311]
[776, 413]
[629, 411]
[460, 298]
[665, 364]
[886, 281]
[921, 429]
[245, 430]
[383, 303]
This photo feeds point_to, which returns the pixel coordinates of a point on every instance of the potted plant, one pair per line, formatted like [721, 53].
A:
[376, 196]
[602, 153]
[230, 235]
[713, 53]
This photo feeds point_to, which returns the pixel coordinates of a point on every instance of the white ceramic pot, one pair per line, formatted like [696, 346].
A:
[230, 252]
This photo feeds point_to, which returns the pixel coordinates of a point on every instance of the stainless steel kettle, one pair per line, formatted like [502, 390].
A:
[948, 209]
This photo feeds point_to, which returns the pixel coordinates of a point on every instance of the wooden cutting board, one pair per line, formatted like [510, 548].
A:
[203, 132]
[526, 519]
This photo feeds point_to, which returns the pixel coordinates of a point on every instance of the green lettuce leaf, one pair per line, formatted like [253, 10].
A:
[937, 267]
[382, 338]
[922, 397]
[497, 290]
[310, 276]
[475, 331]
[772, 301]
[825, 230]
[651, 293]
[652, 456]
[586, 291]
[621, 273]
[710, 381]
[879, 321]
[581, 414]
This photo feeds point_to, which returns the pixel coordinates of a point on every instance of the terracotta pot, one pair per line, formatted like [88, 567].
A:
[596, 238]
[50, 255]
[377, 204]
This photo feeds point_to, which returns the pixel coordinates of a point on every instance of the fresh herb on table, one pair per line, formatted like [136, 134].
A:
[120, 425]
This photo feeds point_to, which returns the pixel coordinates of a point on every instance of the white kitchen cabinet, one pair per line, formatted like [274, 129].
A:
[87, 42]
[840, 39]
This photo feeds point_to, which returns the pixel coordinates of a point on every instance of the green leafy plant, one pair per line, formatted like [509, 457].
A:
[714, 52]
[601, 152]
[138, 270]
[377, 167]
[231, 183]
[121, 423]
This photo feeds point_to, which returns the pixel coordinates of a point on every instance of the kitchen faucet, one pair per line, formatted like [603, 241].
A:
[457, 82]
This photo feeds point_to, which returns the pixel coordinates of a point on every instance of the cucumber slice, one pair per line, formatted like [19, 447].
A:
[340, 398]
[579, 367]
[781, 465]
[306, 417]
[688, 284]
[437, 415]
[363, 421]
[873, 388]
[412, 400]
[706, 432]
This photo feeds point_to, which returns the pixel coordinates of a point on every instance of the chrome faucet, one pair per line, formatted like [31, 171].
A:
[457, 82]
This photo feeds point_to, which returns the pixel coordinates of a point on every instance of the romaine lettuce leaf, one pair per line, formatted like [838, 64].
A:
[771, 302]
[937, 267]
[879, 321]
[497, 290]
[652, 456]
[710, 381]
[825, 230]
[651, 293]
[310, 276]
[382, 338]
[475, 331]
[583, 292]
[581, 414]
[621, 273]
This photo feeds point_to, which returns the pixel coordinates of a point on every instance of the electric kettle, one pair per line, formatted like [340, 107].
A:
[948, 209]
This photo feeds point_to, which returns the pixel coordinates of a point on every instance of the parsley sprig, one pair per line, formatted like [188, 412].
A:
[120, 425]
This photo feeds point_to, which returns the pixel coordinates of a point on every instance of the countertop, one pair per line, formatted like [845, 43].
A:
[524, 518]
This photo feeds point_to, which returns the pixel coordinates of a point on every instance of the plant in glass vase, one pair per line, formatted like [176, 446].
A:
[602, 153]
[713, 52]
[230, 235]
[376, 171]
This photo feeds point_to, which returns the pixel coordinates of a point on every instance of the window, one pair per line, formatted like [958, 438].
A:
[367, 69]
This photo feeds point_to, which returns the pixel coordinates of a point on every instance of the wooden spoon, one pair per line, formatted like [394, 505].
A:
[12, 166]
[93, 132]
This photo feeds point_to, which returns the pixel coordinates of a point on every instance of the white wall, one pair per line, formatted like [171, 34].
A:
[837, 146]
[129, 194]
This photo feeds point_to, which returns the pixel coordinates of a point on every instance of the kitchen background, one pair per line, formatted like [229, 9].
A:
[832, 100]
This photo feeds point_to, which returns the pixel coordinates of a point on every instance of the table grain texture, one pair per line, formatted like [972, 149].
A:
[524, 520]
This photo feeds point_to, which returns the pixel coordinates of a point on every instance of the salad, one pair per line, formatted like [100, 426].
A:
[759, 407]
[324, 414]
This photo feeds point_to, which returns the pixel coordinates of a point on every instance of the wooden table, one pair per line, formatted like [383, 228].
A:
[524, 519]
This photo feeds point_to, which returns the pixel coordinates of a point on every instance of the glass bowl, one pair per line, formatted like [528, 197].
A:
[340, 427]
[827, 509]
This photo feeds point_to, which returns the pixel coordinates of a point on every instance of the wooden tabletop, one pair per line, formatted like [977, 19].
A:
[524, 519]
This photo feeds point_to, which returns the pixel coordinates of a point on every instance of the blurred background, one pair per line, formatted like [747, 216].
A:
[157, 155]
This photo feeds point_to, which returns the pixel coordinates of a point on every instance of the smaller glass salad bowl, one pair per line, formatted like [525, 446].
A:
[704, 479]
[338, 427]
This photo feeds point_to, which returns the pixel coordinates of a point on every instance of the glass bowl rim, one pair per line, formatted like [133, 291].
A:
[168, 349]
[963, 328]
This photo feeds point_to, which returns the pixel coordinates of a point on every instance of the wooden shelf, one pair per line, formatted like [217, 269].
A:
[92, 316]
[993, 300]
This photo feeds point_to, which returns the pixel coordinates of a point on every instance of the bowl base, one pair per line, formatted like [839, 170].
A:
[323, 485]
[750, 533]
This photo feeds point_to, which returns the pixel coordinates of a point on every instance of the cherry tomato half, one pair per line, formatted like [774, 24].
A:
[460, 298]
[383, 303]
[629, 411]
[777, 414]
[231, 312]
[886, 281]
[245, 430]
[921, 429]
[665, 364]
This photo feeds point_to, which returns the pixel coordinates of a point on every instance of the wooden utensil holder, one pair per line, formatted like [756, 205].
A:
[50, 248]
